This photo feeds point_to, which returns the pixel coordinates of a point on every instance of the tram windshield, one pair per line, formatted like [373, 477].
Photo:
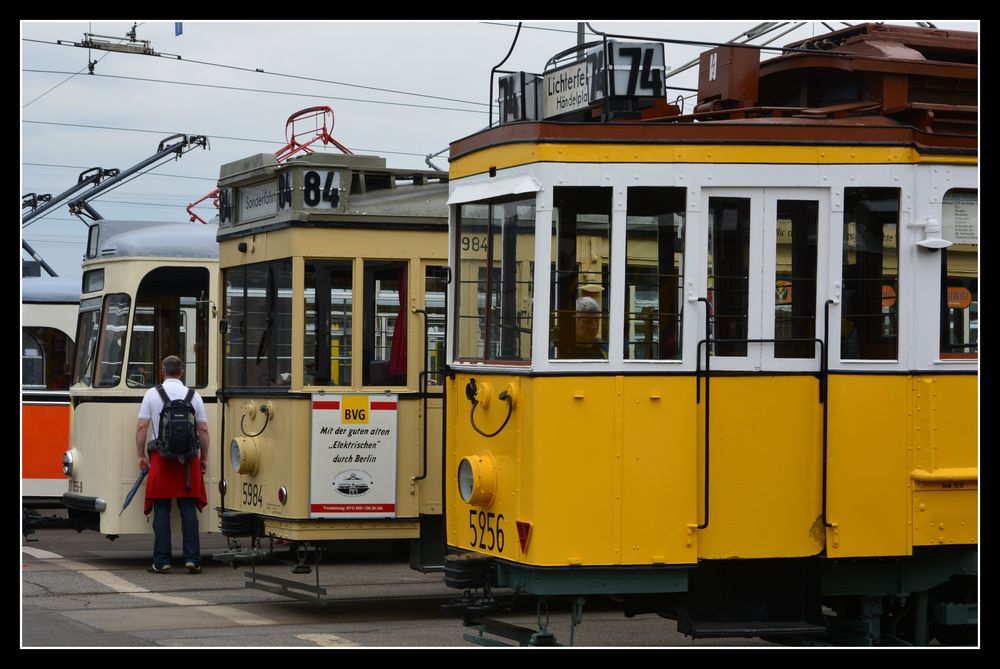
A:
[654, 273]
[258, 313]
[581, 272]
[496, 252]
[170, 320]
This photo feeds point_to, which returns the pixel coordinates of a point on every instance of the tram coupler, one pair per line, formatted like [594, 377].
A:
[235, 555]
[302, 555]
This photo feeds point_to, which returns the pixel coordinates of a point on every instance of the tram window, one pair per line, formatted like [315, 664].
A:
[795, 278]
[870, 317]
[729, 272]
[960, 275]
[258, 310]
[171, 318]
[654, 272]
[32, 362]
[87, 331]
[47, 358]
[328, 316]
[111, 347]
[496, 247]
[581, 252]
[281, 335]
[435, 290]
[385, 316]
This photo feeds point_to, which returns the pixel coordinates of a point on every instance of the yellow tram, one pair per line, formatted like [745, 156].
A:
[333, 275]
[722, 365]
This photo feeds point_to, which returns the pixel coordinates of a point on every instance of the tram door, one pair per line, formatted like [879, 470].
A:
[766, 260]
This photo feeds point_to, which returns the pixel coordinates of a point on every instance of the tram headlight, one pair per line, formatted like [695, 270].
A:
[477, 480]
[68, 463]
[244, 455]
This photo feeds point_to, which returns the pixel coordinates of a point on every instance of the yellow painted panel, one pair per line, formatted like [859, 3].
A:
[660, 497]
[868, 498]
[603, 468]
[946, 515]
[571, 487]
[945, 417]
[765, 471]
[524, 153]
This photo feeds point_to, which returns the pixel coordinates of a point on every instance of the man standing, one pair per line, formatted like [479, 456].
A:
[169, 478]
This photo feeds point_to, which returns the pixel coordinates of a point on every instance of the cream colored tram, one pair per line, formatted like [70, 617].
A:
[772, 431]
[148, 291]
[333, 322]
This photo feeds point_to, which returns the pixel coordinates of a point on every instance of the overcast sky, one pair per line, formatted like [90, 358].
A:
[399, 90]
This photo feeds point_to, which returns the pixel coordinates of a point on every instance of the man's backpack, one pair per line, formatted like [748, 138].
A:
[177, 437]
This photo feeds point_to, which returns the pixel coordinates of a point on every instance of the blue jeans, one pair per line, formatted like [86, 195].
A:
[162, 547]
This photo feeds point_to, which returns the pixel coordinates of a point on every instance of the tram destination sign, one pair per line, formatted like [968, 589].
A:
[353, 459]
[637, 70]
[258, 201]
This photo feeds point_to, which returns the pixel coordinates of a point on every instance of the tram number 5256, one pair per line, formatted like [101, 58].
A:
[484, 535]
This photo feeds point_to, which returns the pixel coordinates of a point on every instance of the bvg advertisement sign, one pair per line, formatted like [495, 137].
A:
[353, 472]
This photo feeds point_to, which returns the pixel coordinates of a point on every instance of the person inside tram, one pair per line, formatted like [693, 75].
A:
[588, 344]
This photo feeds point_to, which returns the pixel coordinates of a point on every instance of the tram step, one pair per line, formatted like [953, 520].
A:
[523, 636]
[752, 628]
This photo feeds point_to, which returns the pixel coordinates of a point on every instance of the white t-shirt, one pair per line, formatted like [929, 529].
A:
[152, 404]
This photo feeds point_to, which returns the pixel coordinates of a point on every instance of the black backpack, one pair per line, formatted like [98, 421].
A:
[177, 437]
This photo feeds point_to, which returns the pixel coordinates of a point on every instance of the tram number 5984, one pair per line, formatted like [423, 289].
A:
[253, 494]
[483, 533]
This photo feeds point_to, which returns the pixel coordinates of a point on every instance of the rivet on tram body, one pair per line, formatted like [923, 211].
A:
[921, 507]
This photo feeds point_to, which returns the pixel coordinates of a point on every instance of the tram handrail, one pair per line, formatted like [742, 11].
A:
[822, 377]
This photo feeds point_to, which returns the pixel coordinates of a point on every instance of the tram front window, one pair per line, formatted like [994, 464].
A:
[581, 252]
[654, 271]
[328, 331]
[496, 249]
[258, 315]
[870, 315]
[171, 318]
[385, 315]
[111, 347]
[87, 331]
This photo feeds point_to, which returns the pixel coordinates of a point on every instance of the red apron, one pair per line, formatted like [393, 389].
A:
[166, 480]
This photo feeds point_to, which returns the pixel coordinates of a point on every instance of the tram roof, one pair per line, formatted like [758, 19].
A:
[50, 290]
[858, 82]
[130, 239]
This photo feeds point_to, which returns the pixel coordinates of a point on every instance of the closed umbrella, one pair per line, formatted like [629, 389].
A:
[135, 487]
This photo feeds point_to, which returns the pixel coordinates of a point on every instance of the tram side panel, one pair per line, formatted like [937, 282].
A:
[589, 471]
[868, 481]
[765, 468]
[44, 436]
[945, 470]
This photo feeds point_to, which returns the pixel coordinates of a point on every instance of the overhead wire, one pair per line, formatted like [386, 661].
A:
[302, 77]
[262, 90]
[213, 137]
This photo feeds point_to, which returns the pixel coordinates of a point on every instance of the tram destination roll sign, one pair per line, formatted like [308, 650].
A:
[637, 70]
[353, 472]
